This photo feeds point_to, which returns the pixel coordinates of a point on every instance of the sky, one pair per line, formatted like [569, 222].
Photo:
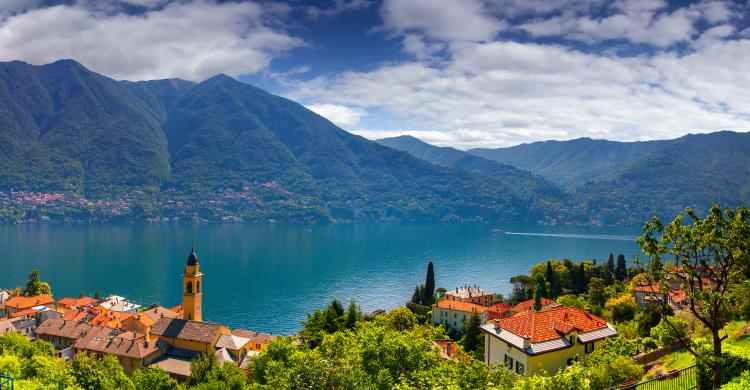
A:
[461, 73]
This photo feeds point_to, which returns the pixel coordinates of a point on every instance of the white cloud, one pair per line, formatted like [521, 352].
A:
[192, 40]
[341, 115]
[505, 93]
[637, 21]
[448, 20]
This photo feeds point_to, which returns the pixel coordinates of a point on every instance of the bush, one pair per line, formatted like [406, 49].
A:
[741, 382]
[649, 343]
[735, 362]
[666, 334]
[621, 309]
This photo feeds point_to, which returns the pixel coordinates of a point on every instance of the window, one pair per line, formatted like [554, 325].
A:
[189, 288]
[571, 360]
[588, 347]
[508, 362]
[198, 286]
[572, 340]
[519, 368]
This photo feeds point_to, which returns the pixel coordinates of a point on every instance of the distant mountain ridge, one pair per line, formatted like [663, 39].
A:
[63, 127]
[523, 182]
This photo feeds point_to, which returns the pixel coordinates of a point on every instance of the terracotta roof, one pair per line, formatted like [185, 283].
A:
[84, 301]
[264, 338]
[110, 319]
[647, 288]
[19, 302]
[73, 315]
[177, 309]
[155, 313]
[551, 324]
[177, 328]
[105, 340]
[528, 305]
[24, 312]
[63, 328]
[460, 306]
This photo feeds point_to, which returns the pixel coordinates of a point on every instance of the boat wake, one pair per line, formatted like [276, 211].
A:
[584, 236]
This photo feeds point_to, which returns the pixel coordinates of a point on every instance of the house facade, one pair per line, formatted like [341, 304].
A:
[547, 340]
[454, 313]
[470, 294]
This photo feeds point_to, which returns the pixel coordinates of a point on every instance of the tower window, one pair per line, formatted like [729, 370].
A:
[198, 286]
[189, 288]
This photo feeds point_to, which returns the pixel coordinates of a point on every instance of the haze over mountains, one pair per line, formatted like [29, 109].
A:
[65, 128]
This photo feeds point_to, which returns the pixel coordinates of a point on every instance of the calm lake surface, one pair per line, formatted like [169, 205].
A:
[266, 278]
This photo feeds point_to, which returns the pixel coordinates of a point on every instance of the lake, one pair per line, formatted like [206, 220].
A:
[266, 277]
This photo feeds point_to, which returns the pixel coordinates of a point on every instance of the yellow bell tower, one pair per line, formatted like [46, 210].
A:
[192, 298]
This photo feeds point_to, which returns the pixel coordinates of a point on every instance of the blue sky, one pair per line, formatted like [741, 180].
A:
[463, 73]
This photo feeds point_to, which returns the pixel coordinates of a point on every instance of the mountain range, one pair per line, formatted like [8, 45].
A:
[66, 128]
[618, 182]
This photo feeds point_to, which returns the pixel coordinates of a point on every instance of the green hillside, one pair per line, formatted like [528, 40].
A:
[66, 128]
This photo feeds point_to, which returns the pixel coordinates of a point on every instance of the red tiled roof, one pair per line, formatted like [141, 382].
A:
[20, 303]
[460, 306]
[529, 305]
[552, 323]
[73, 315]
[68, 302]
[24, 312]
[499, 307]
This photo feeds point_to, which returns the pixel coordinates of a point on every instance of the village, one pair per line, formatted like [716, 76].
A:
[168, 338]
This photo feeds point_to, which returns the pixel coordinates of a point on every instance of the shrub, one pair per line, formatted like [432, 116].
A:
[735, 362]
[621, 309]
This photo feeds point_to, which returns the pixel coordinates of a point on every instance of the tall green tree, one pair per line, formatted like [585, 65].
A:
[540, 291]
[716, 247]
[554, 281]
[35, 286]
[473, 338]
[610, 265]
[353, 314]
[621, 270]
[428, 297]
[523, 288]
[597, 295]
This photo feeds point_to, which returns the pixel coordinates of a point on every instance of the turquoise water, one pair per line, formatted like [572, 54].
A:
[266, 278]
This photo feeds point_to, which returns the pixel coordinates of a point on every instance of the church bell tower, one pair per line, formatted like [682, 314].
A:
[192, 298]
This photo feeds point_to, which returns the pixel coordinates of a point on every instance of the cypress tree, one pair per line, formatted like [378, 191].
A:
[429, 286]
[353, 314]
[611, 264]
[580, 279]
[553, 280]
[621, 270]
[472, 333]
[540, 291]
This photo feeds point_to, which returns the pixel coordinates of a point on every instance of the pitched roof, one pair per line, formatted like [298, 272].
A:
[233, 342]
[173, 365]
[143, 319]
[73, 315]
[178, 328]
[528, 305]
[83, 301]
[110, 319]
[114, 342]
[551, 324]
[264, 338]
[460, 306]
[155, 313]
[63, 328]
[468, 292]
[19, 302]
[499, 307]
